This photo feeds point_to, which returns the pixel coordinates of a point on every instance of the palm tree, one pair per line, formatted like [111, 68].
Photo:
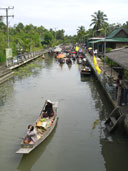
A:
[1, 18]
[81, 29]
[99, 20]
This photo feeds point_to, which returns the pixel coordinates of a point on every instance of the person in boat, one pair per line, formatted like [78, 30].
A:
[31, 137]
[48, 111]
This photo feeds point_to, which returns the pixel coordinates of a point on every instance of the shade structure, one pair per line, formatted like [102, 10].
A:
[60, 56]
[73, 52]
[119, 56]
[57, 49]
[89, 48]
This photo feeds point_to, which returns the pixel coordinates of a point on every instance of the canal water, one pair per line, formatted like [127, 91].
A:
[78, 141]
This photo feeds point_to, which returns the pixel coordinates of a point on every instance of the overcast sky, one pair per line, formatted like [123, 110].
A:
[64, 14]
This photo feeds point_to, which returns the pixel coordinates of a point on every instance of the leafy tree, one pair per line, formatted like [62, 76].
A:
[20, 27]
[111, 27]
[125, 26]
[81, 33]
[48, 38]
[60, 35]
[1, 18]
[2, 27]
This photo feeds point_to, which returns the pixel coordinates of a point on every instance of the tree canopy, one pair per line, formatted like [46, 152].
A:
[31, 38]
[28, 38]
[99, 20]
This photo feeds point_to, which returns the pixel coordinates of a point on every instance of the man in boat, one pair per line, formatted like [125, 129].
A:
[31, 137]
[48, 111]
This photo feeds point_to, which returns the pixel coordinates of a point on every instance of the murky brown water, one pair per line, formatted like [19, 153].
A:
[78, 142]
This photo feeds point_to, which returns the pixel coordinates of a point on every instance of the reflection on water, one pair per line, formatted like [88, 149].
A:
[101, 100]
[95, 123]
[78, 140]
[28, 160]
[115, 155]
[49, 61]
[6, 90]
[85, 78]
[69, 66]
[33, 68]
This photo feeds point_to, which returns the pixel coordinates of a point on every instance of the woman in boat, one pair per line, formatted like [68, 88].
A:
[48, 111]
[31, 137]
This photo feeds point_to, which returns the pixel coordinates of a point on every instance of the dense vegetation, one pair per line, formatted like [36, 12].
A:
[29, 38]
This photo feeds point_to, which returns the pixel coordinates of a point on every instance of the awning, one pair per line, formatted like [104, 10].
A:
[119, 56]
[57, 49]
[119, 40]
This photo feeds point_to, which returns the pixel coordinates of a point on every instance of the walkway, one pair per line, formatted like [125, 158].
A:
[22, 59]
[6, 72]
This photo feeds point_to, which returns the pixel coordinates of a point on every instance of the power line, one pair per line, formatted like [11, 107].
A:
[7, 16]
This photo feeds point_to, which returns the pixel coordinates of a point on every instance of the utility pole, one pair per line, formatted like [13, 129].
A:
[8, 50]
[7, 16]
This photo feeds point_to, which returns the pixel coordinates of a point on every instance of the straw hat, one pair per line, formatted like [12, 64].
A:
[49, 101]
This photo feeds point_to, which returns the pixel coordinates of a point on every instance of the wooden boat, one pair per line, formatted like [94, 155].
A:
[86, 70]
[68, 61]
[61, 60]
[43, 57]
[41, 135]
[79, 60]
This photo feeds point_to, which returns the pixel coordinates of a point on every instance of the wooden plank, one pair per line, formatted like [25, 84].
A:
[113, 120]
[23, 151]
[112, 123]
[108, 128]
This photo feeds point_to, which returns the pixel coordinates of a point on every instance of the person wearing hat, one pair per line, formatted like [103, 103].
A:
[48, 111]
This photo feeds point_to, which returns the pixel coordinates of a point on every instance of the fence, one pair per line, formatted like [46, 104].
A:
[21, 59]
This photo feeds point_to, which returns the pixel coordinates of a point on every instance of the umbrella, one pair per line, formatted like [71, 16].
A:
[61, 55]
[73, 52]
[89, 48]
[57, 49]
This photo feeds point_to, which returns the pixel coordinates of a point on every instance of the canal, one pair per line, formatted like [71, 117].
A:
[78, 141]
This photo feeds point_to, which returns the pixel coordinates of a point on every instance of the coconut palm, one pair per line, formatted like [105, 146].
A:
[98, 20]
[1, 18]
[81, 29]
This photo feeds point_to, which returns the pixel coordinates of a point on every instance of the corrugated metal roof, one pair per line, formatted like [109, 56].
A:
[117, 40]
[119, 56]
[113, 33]
[114, 37]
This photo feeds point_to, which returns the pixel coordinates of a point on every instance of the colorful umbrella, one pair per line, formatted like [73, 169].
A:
[61, 55]
[73, 52]
[89, 48]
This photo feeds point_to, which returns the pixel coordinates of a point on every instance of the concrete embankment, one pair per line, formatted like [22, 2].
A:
[5, 73]
[107, 79]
